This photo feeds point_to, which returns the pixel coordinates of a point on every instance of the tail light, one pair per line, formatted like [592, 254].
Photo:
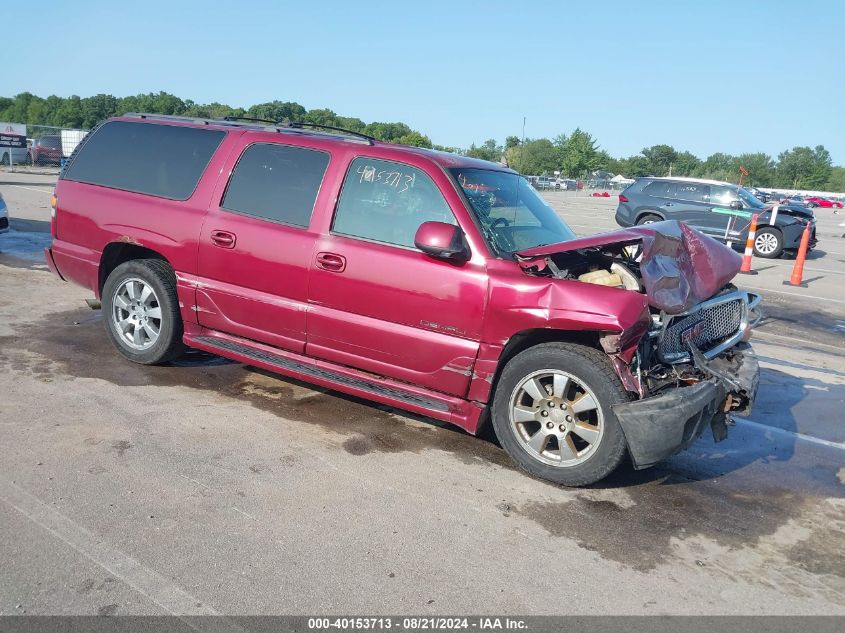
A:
[622, 198]
[53, 203]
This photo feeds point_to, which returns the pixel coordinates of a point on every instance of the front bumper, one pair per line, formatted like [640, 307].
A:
[660, 426]
[792, 236]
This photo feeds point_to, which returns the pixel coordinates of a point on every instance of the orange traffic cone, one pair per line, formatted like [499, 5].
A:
[749, 248]
[798, 268]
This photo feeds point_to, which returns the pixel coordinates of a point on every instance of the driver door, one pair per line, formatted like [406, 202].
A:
[379, 304]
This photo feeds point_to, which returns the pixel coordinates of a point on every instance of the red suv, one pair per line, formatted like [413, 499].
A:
[47, 149]
[431, 282]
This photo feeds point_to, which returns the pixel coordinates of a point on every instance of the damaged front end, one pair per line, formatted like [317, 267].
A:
[694, 367]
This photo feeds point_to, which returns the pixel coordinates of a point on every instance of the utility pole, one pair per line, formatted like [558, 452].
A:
[523, 130]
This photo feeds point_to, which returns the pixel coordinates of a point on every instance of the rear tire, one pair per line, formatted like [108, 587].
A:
[141, 311]
[648, 218]
[567, 433]
[768, 243]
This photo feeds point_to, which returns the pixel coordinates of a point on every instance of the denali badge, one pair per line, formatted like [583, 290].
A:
[692, 332]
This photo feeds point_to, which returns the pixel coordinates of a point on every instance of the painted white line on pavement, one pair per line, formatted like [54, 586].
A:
[49, 193]
[790, 294]
[791, 265]
[149, 583]
[795, 434]
[763, 335]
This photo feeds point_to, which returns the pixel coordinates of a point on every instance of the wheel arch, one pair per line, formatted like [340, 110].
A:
[117, 253]
[647, 211]
[522, 341]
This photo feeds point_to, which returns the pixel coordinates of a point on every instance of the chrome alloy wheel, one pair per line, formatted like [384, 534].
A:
[556, 418]
[766, 243]
[136, 314]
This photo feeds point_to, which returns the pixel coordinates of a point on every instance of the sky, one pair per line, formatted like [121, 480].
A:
[703, 76]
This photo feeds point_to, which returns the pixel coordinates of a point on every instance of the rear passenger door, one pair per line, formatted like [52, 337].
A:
[256, 245]
[690, 202]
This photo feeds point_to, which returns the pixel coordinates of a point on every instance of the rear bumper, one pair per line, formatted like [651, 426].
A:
[658, 427]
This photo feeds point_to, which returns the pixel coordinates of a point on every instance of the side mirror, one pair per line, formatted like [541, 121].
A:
[736, 205]
[442, 241]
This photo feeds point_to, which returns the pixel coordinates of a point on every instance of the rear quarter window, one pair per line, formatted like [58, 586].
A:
[160, 160]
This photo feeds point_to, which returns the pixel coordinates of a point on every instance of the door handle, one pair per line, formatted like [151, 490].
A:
[331, 262]
[223, 239]
[668, 204]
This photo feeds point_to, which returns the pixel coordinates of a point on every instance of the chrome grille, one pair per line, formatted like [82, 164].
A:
[721, 321]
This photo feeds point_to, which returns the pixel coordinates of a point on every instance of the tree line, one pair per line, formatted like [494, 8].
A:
[86, 112]
[576, 155]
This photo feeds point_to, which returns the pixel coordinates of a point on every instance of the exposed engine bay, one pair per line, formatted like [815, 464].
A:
[697, 316]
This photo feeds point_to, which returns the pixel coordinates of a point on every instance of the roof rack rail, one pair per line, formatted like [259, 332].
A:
[320, 126]
[192, 119]
[276, 126]
[253, 119]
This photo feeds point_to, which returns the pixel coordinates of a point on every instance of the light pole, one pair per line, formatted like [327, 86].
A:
[523, 130]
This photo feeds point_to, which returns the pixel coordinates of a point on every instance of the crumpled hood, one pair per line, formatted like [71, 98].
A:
[793, 210]
[680, 267]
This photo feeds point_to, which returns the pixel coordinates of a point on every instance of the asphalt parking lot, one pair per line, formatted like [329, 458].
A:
[209, 487]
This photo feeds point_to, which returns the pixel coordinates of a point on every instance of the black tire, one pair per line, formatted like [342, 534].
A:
[811, 205]
[588, 366]
[160, 277]
[648, 218]
[772, 238]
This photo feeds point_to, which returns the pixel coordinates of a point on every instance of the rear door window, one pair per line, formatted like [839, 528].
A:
[159, 160]
[692, 191]
[277, 183]
[660, 189]
[387, 202]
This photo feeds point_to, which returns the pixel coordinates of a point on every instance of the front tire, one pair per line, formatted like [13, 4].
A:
[768, 243]
[141, 311]
[552, 413]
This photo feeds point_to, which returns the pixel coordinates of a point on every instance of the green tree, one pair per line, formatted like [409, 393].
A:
[284, 111]
[488, 151]
[579, 154]
[414, 139]
[533, 157]
[719, 166]
[660, 159]
[804, 168]
[836, 180]
[512, 141]
[761, 169]
[685, 164]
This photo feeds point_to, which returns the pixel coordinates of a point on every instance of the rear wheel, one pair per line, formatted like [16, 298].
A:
[552, 413]
[141, 311]
[649, 218]
[812, 205]
[768, 243]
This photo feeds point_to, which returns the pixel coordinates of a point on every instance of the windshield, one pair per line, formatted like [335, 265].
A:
[511, 214]
[53, 142]
[749, 199]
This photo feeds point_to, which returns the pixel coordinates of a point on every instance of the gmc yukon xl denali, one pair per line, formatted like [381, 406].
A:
[431, 282]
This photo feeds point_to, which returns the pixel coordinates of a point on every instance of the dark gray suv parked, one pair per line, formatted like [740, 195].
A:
[719, 209]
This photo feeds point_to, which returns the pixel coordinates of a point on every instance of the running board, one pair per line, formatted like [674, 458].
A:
[370, 387]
